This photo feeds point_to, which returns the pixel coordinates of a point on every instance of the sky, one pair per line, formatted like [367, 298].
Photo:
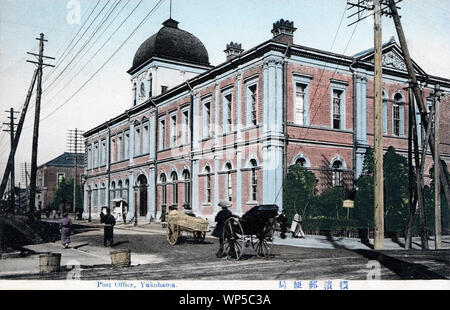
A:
[89, 84]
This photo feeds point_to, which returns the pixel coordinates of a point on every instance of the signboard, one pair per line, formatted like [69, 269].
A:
[347, 203]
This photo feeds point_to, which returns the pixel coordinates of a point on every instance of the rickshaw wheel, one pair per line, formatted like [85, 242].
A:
[261, 243]
[172, 233]
[233, 238]
[199, 236]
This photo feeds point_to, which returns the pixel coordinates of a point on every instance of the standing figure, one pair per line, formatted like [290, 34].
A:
[221, 216]
[282, 219]
[109, 222]
[296, 227]
[65, 227]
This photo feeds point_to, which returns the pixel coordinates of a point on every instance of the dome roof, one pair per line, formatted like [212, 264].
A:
[170, 42]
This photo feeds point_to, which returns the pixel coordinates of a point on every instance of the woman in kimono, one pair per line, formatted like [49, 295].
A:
[65, 227]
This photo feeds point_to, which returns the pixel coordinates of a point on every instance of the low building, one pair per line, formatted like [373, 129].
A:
[50, 174]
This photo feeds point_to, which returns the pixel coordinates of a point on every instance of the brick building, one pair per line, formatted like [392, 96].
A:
[50, 174]
[196, 134]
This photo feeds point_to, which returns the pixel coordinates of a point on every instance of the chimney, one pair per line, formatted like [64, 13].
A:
[233, 50]
[283, 31]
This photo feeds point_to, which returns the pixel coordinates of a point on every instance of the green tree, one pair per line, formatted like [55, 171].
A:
[64, 195]
[364, 199]
[329, 203]
[299, 192]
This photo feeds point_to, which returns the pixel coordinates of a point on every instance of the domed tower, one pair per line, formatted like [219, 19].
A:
[166, 59]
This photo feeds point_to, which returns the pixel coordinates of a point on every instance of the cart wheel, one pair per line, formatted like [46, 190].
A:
[233, 238]
[172, 233]
[262, 243]
[199, 236]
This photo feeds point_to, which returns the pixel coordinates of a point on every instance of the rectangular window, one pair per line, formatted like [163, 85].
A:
[173, 130]
[137, 141]
[228, 121]
[145, 139]
[96, 155]
[103, 153]
[207, 120]
[119, 148]
[185, 129]
[396, 119]
[60, 177]
[89, 159]
[252, 104]
[162, 134]
[126, 145]
[299, 109]
[208, 188]
[337, 109]
[163, 89]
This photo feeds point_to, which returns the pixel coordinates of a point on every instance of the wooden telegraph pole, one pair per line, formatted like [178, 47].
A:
[437, 189]
[75, 146]
[40, 64]
[12, 125]
[379, 184]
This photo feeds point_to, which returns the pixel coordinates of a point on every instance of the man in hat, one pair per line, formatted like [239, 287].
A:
[109, 222]
[220, 219]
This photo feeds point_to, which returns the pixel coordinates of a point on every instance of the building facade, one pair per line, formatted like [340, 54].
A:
[196, 134]
[50, 174]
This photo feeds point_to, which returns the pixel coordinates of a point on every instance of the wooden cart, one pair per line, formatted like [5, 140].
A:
[178, 222]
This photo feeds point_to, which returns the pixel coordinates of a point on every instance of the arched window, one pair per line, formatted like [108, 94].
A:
[396, 115]
[208, 185]
[254, 181]
[95, 193]
[163, 181]
[229, 182]
[301, 162]
[187, 188]
[125, 191]
[119, 189]
[337, 178]
[174, 178]
[113, 190]
[103, 194]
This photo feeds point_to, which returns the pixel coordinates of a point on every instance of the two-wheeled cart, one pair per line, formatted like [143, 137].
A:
[178, 222]
[256, 228]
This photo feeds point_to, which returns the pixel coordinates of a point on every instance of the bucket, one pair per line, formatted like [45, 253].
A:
[121, 258]
[49, 262]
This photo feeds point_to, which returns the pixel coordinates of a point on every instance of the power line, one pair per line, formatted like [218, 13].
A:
[88, 49]
[133, 32]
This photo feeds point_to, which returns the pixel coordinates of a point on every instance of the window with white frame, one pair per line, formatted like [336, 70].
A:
[207, 120]
[397, 115]
[301, 162]
[145, 138]
[187, 188]
[299, 109]
[337, 101]
[337, 173]
[126, 145]
[89, 159]
[103, 153]
[173, 130]
[163, 181]
[254, 181]
[185, 127]
[112, 190]
[96, 155]
[252, 104]
[119, 147]
[228, 113]
[208, 185]
[60, 178]
[103, 194]
[229, 182]
[162, 134]
[137, 140]
[95, 195]
[174, 179]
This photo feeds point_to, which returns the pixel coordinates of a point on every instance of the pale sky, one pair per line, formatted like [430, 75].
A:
[214, 22]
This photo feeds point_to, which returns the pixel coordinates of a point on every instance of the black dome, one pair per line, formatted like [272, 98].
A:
[170, 42]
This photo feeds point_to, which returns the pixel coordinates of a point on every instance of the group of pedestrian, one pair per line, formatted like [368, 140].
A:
[107, 219]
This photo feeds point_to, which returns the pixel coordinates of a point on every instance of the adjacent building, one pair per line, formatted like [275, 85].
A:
[50, 174]
[195, 134]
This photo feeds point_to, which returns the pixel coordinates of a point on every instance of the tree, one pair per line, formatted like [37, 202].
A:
[364, 199]
[329, 203]
[299, 192]
[64, 195]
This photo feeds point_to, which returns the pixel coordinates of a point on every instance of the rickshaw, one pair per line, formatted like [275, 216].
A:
[255, 227]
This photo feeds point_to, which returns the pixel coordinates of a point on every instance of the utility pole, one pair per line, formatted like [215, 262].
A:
[12, 125]
[437, 189]
[17, 136]
[379, 184]
[75, 146]
[40, 64]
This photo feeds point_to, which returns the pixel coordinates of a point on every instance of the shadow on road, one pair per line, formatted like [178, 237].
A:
[405, 270]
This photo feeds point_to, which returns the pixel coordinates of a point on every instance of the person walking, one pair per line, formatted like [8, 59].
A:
[109, 222]
[221, 216]
[65, 229]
